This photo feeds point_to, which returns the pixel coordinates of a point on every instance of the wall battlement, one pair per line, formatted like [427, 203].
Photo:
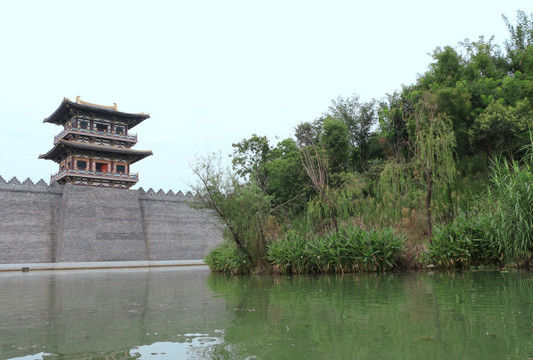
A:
[165, 196]
[67, 223]
[41, 185]
[27, 185]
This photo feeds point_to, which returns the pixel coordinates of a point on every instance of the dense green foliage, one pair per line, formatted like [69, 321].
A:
[418, 161]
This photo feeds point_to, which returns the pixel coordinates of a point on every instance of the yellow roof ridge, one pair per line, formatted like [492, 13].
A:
[81, 102]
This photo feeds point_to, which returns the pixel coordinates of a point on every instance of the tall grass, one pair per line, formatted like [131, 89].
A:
[510, 199]
[501, 230]
[351, 250]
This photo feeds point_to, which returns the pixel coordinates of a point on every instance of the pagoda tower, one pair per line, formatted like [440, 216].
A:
[95, 146]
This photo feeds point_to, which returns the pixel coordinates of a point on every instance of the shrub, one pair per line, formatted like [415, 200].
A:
[290, 255]
[352, 249]
[462, 243]
[226, 257]
[379, 249]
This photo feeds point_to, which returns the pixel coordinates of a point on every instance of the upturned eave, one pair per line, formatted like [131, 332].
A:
[59, 117]
[60, 151]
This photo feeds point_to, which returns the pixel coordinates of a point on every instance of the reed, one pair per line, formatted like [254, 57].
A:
[510, 199]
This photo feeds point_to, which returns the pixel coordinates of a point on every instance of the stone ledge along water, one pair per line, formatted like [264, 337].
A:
[63, 224]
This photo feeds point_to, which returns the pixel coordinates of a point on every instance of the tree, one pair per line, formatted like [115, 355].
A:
[287, 179]
[360, 118]
[501, 129]
[519, 46]
[335, 140]
[433, 149]
[315, 163]
[392, 125]
[445, 71]
[249, 158]
[455, 103]
[484, 59]
[308, 132]
[242, 207]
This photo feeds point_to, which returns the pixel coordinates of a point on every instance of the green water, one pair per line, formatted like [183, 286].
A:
[191, 314]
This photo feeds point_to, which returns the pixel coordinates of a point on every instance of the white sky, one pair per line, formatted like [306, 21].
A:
[211, 73]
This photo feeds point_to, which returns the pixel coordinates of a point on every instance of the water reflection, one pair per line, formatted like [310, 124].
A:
[194, 346]
[98, 313]
[191, 314]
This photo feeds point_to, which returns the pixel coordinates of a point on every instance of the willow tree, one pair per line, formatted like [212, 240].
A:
[315, 163]
[433, 149]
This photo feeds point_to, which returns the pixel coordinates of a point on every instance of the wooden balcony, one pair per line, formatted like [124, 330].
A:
[94, 175]
[102, 134]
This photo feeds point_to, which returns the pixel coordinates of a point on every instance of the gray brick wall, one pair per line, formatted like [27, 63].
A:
[100, 224]
[176, 231]
[41, 223]
[28, 218]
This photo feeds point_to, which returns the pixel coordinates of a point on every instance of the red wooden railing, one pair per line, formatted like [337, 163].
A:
[104, 134]
[95, 175]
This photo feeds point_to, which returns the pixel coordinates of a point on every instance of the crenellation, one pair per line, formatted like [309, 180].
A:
[14, 181]
[28, 186]
[28, 182]
[164, 196]
[41, 183]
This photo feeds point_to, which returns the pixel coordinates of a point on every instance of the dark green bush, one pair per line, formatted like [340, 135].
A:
[226, 257]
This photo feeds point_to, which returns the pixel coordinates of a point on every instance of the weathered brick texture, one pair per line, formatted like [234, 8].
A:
[41, 223]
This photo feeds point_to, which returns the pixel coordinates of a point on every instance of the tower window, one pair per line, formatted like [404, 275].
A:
[119, 130]
[101, 127]
[82, 165]
[84, 125]
[101, 167]
[121, 168]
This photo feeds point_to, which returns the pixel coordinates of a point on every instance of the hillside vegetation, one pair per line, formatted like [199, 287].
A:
[438, 173]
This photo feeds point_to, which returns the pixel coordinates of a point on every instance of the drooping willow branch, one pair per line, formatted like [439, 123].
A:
[316, 167]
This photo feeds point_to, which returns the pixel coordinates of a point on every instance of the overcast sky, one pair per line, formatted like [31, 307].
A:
[211, 73]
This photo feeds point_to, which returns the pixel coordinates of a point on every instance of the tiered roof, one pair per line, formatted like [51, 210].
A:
[61, 115]
[60, 151]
